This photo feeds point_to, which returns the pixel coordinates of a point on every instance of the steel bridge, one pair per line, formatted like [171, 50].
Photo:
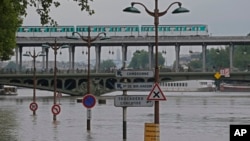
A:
[131, 41]
[75, 83]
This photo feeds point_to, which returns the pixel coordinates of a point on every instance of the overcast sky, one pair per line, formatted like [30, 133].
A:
[223, 17]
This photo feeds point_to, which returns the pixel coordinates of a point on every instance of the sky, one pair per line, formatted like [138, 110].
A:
[223, 17]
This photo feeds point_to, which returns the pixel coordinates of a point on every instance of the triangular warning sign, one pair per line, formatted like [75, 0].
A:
[156, 93]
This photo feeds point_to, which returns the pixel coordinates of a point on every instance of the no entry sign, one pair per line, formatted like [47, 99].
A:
[33, 106]
[89, 101]
[56, 109]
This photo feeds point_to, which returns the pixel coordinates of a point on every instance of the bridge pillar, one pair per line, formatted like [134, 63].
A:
[98, 58]
[16, 50]
[47, 59]
[73, 58]
[20, 60]
[43, 58]
[177, 54]
[150, 57]
[70, 58]
[204, 47]
[124, 53]
[231, 49]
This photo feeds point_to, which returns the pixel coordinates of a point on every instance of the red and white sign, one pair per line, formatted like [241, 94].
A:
[225, 72]
[56, 109]
[156, 94]
[33, 106]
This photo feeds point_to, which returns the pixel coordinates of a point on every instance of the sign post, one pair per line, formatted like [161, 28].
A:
[132, 101]
[134, 73]
[56, 109]
[145, 86]
[33, 106]
[125, 100]
[152, 132]
[89, 102]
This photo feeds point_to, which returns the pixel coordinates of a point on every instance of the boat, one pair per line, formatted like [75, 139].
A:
[234, 87]
[8, 90]
[188, 86]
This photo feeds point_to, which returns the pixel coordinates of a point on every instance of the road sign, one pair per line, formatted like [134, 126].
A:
[151, 132]
[217, 75]
[156, 94]
[134, 73]
[225, 72]
[134, 86]
[56, 109]
[89, 101]
[132, 101]
[33, 106]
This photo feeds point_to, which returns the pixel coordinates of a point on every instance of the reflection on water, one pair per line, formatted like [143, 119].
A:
[183, 117]
[7, 125]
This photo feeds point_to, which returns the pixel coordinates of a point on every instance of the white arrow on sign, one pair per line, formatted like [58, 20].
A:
[134, 86]
[134, 73]
[132, 101]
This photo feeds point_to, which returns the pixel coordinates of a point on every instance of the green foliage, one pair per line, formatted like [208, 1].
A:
[11, 12]
[140, 60]
[241, 57]
[9, 22]
[107, 64]
[44, 6]
[11, 65]
[219, 58]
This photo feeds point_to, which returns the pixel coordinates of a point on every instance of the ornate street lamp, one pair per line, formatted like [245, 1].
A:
[88, 39]
[33, 105]
[55, 47]
[156, 14]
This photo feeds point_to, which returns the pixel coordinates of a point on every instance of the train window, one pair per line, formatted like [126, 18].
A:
[202, 28]
[136, 28]
[20, 29]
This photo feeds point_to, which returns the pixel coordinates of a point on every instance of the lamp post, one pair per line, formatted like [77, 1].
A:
[33, 105]
[88, 39]
[156, 14]
[55, 47]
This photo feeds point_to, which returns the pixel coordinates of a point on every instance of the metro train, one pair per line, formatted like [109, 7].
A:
[115, 30]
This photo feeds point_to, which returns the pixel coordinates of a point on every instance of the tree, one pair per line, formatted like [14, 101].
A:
[44, 6]
[107, 65]
[140, 60]
[9, 22]
[10, 19]
[219, 58]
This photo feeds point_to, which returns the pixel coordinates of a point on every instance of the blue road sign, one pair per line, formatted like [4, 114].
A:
[89, 101]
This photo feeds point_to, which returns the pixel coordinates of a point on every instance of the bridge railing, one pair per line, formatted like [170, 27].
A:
[84, 71]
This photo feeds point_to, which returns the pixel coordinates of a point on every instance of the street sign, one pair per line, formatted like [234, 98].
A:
[217, 75]
[33, 106]
[134, 73]
[132, 101]
[56, 109]
[134, 86]
[151, 132]
[156, 93]
[89, 101]
[225, 72]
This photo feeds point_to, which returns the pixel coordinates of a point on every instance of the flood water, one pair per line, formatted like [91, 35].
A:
[183, 117]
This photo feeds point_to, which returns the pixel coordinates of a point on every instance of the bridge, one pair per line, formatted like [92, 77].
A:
[125, 36]
[121, 35]
[125, 42]
[75, 83]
